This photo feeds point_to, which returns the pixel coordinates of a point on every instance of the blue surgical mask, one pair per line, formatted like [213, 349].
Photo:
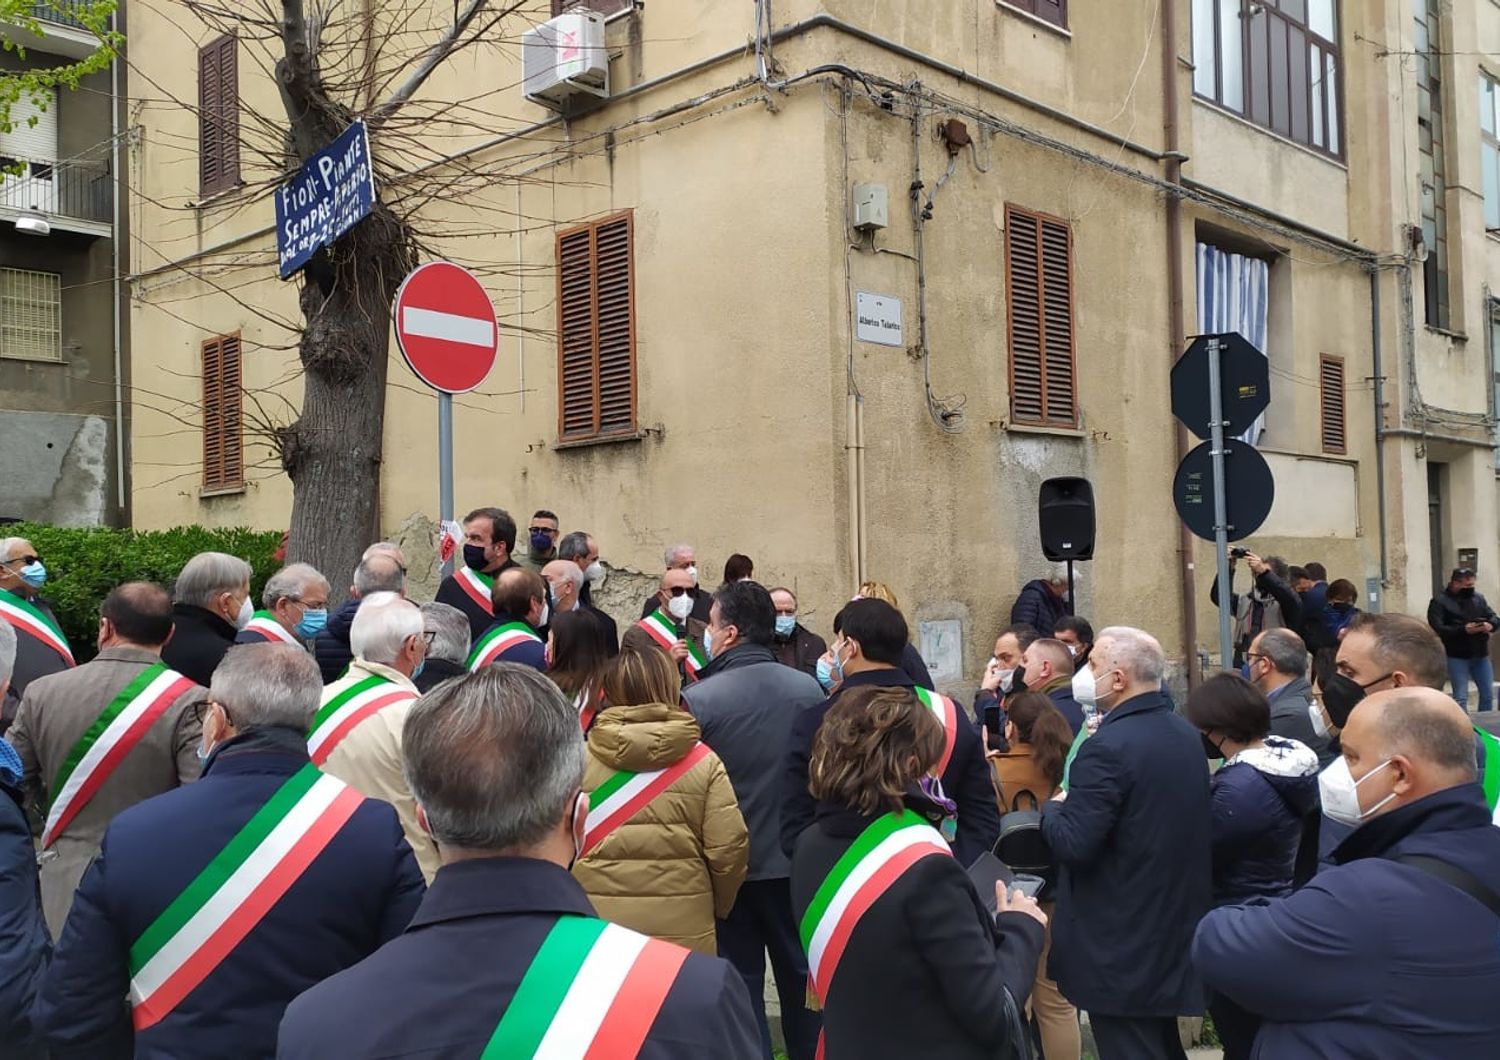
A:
[417, 670]
[785, 624]
[708, 643]
[825, 674]
[34, 574]
[541, 542]
[314, 621]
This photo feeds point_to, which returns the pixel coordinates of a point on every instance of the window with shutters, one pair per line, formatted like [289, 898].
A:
[1331, 403]
[218, 116]
[30, 315]
[223, 421]
[598, 7]
[596, 330]
[1039, 300]
[1053, 11]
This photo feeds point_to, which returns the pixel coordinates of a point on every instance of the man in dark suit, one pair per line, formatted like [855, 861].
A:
[1132, 840]
[869, 639]
[212, 906]
[1278, 667]
[496, 762]
[581, 548]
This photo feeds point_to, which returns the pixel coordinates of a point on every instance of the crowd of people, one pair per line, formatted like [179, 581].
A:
[492, 825]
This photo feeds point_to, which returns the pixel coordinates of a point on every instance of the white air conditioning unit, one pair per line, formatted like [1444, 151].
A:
[564, 59]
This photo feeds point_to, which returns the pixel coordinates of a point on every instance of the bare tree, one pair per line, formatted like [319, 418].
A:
[337, 61]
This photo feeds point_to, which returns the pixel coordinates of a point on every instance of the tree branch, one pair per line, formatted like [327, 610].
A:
[435, 55]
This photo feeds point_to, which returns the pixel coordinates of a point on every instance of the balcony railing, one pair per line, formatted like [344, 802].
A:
[77, 189]
[60, 12]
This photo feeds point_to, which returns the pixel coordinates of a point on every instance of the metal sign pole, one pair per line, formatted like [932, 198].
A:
[1221, 515]
[445, 464]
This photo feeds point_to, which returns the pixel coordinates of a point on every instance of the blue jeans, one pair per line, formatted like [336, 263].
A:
[1459, 673]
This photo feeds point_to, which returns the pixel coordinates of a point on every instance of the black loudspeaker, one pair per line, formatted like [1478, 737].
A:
[1065, 511]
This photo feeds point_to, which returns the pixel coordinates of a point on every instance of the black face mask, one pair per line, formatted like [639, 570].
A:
[1342, 694]
[1018, 680]
[1209, 749]
[1466, 594]
[474, 557]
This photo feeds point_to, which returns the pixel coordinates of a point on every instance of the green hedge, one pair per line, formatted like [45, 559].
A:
[85, 563]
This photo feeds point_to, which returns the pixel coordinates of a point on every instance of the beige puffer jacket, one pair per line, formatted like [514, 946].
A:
[679, 862]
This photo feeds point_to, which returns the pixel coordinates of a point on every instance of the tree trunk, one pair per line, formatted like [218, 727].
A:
[332, 452]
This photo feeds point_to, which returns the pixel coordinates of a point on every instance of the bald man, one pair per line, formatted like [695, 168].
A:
[1391, 953]
[1047, 667]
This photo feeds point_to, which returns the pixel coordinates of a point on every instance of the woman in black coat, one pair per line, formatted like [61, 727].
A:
[1261, 797]
[925, 967]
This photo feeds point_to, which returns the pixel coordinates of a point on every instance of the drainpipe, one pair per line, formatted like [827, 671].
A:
[1380, 432]
[1173, 160]
[114, 242]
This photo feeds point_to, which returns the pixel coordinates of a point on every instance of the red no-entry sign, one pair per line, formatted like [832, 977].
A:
[445, 326]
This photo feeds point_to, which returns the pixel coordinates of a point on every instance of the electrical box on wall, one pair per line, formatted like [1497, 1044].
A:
[871, 207]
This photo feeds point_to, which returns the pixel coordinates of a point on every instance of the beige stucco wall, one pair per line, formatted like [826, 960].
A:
[743, 322]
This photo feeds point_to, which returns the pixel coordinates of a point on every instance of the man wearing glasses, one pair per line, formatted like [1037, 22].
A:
[41, 648]
[541, 540]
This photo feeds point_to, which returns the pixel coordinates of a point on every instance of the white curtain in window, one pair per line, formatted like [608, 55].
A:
[1233, 295]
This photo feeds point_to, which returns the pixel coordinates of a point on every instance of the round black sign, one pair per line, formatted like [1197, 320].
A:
[1249, 489]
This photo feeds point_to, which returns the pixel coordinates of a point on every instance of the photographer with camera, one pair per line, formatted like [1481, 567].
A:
[1270, 604]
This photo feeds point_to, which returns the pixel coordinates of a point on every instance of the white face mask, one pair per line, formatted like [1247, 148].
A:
[546, 614]
[693, 574]
[1340, 792]
[679, 607]
[1091, 685]
[594, 572]
[1099, 696]
[247, 612]
[1083, 687]
[1319, 722]
[1007, 678]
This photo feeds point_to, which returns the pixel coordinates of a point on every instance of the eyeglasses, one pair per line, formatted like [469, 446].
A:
[200, 709]
[543, 530]
[23, 560]
[681, 590]
[1256, 655]
[429, 635]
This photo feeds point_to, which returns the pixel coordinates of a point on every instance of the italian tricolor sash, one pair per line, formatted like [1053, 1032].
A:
[498, 640]
[884, 850]
[625, 794]
[106, 742]
[235, 891]
[1491, 772]
[342, 712]
[264, 623]
[586, 709]
[592, 993]
[478, 585]
[33, 621]
[947, 712]
[664, 632]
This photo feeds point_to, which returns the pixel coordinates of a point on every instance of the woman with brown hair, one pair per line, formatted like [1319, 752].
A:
[665, 847]
[904, 956]
[576, 660]
[1027, 775]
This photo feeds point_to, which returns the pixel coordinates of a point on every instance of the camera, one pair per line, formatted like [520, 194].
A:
[1239, 553]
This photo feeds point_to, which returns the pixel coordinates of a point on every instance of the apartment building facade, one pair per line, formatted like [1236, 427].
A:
[711, 331]
[63, 349]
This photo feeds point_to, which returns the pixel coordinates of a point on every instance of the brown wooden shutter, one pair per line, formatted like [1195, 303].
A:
[1039, 297]
[218, 115]
[223, 419]
[596, 329]
[1054, 11]
[616, 329]
[1331, 403]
